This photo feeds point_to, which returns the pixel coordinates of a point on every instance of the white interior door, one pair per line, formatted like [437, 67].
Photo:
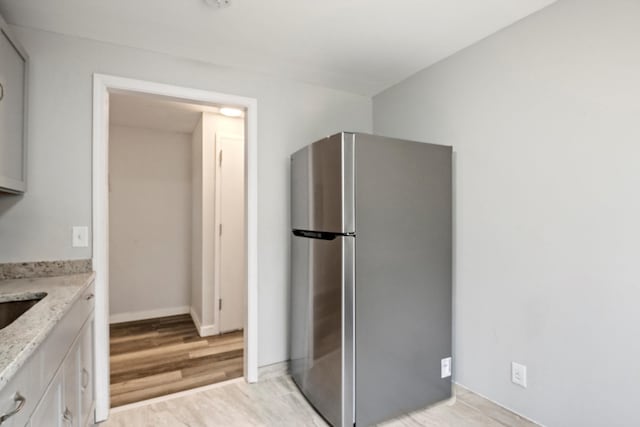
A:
[230, 214]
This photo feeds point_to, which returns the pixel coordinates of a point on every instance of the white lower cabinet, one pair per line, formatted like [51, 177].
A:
[68, 402]
[71, 387]
[55, 387]
[87, 400]
[49, 411]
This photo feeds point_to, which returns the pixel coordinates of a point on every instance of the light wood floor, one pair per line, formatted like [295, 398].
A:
[156, 357]
[277, 402]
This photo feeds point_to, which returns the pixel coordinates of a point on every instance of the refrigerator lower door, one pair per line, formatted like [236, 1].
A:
[322, 339]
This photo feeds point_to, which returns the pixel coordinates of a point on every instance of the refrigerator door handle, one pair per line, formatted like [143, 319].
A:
[322, 235]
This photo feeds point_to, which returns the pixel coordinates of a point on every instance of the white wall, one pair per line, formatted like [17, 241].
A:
[197, 236]
[543, 118]
[149, 222]
[290, 115]
[203, 146]
[203, 235]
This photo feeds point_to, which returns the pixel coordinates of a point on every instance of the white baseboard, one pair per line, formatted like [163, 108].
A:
[273, 371]
[457, 384]
[208, 330]
[147, 314]
[195, 318]
[203, 330]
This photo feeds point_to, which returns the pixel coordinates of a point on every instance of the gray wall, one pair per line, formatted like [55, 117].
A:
[149, 223]
[38, 225]
[544, 121]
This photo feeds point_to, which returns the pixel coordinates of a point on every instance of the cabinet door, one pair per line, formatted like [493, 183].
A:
[18, 399]
[50, 409]
[12, 114]
[86, 374]
[71, 386]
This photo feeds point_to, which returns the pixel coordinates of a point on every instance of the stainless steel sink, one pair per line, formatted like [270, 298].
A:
[11, 310]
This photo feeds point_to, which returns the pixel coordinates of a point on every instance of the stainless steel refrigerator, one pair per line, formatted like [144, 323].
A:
[371, 276]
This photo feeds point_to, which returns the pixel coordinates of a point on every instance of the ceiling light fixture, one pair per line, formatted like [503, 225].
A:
[230, 112]
[218, 3]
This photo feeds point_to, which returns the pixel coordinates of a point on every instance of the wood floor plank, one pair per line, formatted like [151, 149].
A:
[211, 350]
[167, 320]
[142, 365]
[222, 365]
[154, 357]
[168, 388]
[144, 382]
[127, 338]
[178, 362]
[158, 351]
[156, 341]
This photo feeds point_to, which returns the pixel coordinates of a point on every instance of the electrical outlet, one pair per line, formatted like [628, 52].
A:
[445, 367]
[80, 237]
[519, 374]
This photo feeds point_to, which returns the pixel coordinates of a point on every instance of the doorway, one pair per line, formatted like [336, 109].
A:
[176, 279]
[106, 87]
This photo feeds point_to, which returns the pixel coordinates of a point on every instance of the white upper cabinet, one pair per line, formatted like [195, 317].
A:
[13, 85]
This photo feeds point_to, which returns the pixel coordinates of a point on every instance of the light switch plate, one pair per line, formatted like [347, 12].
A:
[445, 367]
[80, 237]
[519, 374]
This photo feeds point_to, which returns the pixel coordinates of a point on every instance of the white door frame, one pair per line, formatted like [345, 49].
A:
[102, 85]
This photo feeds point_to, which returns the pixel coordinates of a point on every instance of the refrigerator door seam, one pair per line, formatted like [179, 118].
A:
[348, 182]
[348, 333]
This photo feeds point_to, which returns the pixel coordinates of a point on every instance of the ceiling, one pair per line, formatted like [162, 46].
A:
[155, 112]
[363, 46]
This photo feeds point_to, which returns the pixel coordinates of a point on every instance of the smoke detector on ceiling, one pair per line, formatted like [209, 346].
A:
[218, 3]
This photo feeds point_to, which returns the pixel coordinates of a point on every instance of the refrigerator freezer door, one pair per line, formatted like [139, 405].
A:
[322, 324]
[322, 179]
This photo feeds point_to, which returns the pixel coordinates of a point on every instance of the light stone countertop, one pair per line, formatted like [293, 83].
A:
[20, 339]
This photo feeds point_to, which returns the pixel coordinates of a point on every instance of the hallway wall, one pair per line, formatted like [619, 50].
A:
[150, 223]
[203, 242]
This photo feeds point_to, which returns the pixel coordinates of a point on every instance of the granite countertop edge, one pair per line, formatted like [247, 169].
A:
[20, 339]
